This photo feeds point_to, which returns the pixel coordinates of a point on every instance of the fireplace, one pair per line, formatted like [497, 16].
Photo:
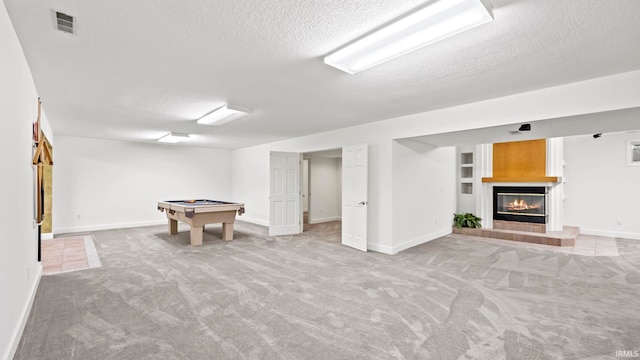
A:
[520, 203]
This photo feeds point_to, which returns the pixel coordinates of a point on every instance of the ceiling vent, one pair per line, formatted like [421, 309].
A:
[64, 22]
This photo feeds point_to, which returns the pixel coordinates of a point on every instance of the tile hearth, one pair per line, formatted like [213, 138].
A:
[566, 237]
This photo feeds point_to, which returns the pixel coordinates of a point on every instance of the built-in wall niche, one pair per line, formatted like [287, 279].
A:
[466, 158]
[466, 173]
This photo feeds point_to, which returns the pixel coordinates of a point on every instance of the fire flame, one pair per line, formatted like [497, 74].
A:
[521, 205]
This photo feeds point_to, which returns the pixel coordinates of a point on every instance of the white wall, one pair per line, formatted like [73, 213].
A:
[19, 269]
[100, 184]
[424, 193]
[325, 188]
[615, 92]
[600, 189]
[251, 178]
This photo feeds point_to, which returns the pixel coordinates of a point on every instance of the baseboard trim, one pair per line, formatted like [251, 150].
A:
[253, 221]
[75, 229]
[380, 248]
[421, 240]
[25, 316]
[614, 234]
[46, 236]
[324, 220]
[392, 250]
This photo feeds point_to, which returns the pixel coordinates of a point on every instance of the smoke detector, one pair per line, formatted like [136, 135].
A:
[64, 22]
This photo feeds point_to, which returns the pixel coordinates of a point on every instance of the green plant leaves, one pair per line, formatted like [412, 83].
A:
[466, 220]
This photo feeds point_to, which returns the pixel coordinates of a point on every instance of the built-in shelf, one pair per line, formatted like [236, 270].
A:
[466, 173]
[466, 159]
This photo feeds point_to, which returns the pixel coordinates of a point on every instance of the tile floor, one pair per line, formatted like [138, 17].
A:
[585, 245]
[591, 245]
[68, 254]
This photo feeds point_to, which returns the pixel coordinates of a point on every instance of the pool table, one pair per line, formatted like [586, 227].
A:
[197, 213]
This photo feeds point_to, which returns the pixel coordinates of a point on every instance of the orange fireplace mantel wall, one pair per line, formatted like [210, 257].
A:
[520, 161]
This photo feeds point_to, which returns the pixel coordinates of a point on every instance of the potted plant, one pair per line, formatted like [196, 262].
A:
[467, 220]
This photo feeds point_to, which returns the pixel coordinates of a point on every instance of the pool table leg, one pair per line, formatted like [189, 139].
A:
[173, 227]
[227, 231]
[196, 235]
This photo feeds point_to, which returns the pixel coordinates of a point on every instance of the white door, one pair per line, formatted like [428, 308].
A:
[354, 196]
[285, 194]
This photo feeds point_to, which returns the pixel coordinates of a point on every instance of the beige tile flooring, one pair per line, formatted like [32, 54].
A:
[591, 245]
[585, 245]
[68, 254]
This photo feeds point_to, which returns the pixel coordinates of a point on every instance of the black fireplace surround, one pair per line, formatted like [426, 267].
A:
[520, 203]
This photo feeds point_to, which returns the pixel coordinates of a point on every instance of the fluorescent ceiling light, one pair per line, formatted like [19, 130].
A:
[223, 115]
[434, 22]
[173, 138]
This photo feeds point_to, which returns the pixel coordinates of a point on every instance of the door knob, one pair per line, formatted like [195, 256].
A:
[362, 203]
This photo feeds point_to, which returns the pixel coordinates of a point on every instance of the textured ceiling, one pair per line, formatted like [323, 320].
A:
[136, 70]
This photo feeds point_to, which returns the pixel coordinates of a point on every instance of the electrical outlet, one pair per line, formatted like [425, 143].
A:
[619, 221]
[78, 216]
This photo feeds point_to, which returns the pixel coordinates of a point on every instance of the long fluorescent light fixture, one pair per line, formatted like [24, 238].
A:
[434, 22]
[223, 115]
[173, 138]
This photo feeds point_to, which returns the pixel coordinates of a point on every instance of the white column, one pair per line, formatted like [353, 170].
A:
[484, 191]
[555, 161]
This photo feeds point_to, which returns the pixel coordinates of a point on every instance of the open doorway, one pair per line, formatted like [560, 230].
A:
[322, 187]
[329, 202]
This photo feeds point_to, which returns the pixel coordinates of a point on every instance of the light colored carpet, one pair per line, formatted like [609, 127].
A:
[308, 297]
